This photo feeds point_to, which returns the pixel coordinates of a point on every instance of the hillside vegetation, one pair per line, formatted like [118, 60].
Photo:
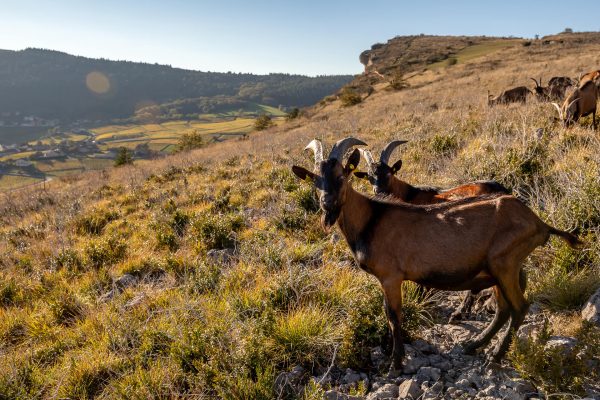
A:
[54, 85]
[206, 274]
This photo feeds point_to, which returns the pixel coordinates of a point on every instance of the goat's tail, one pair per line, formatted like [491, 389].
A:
[573, 240]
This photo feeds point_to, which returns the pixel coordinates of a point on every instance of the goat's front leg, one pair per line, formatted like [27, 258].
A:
[392, 290]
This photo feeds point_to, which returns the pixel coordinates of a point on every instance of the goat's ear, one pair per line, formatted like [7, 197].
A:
[396, 167]
[304, 174]
[352, 162]
[361, 174]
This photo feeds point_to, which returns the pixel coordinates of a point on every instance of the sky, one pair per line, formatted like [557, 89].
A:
[262, 36]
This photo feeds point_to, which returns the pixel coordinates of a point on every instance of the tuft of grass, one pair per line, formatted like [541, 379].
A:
[556, 368]
[105, 251]
[87, 378]
[305, 336]
[66, 308]
[217, 231]
[94, 222]
[560, 290]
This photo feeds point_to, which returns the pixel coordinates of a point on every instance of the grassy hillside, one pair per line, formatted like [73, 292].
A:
[206, 274]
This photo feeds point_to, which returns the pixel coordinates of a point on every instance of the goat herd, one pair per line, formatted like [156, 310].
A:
[471, 237]
[578, 97]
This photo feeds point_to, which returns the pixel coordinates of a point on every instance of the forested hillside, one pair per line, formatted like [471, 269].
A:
[54, 85]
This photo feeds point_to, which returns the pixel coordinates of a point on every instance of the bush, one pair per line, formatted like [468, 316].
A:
[66, 308]
[124, 157]
[263, 122]
[218, 231]
[556, 368]
[190, 141]
[94, 222]
[103, 252]
[443, 145]
[398, 82]
[68, 259]
[349, 97]
[292, 114]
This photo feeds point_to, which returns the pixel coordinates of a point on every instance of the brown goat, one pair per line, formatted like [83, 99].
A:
[466, 244]
[384, 182]
[556, 89]
[590, 76]
[580, 103]
[514, 95]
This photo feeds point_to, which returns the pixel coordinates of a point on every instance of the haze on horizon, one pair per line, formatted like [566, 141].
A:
[263, 36]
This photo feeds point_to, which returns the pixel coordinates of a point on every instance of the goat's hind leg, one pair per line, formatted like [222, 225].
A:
[464, 308]
[500, 317]
[518, 304]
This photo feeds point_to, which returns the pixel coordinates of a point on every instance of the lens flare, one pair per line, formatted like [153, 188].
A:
[97, 82]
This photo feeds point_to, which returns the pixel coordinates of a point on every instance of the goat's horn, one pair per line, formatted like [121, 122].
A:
[558, 109]
[388, 149]
[366, 154]
[317, 147]
[571, 103]
[536, 84]
[342, 146]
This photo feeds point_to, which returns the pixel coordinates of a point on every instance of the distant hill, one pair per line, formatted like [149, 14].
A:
[54, 85]
[409, 54]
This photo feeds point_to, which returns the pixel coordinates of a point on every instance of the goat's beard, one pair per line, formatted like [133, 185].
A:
[329, 218]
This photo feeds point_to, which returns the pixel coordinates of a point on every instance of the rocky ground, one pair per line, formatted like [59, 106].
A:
[436, 368]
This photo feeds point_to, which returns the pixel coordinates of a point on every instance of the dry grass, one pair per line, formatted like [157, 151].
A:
[192, 326]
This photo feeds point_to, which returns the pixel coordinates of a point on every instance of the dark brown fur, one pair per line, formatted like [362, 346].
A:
[458, 245]
[514, 95]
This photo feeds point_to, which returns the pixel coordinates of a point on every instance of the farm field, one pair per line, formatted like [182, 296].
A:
[161, 139]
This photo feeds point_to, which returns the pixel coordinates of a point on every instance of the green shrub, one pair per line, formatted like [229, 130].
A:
[68, 259]
[263, 122]
[165, 236]
[260, 386]
[105, 251]
[66, 308]
[218, 231]
[9, 293]
[124, 157]
[86, 380]
[190, 141]
[292, 114]
[365, 325]
[349, 97]
[94, 222]
[443, 145]
[291, 219]
[306, 198]
[560, 290]
[559, 369]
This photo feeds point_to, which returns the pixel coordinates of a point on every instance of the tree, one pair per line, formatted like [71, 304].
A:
[292, 114]
[263, 122]
[568, 30]
[124, 157]
[190, 141]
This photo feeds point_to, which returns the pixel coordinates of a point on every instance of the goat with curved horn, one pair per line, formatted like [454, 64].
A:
[342, 146]
[468, 244]
[389, 149]
[317, 147]
[580, 103]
